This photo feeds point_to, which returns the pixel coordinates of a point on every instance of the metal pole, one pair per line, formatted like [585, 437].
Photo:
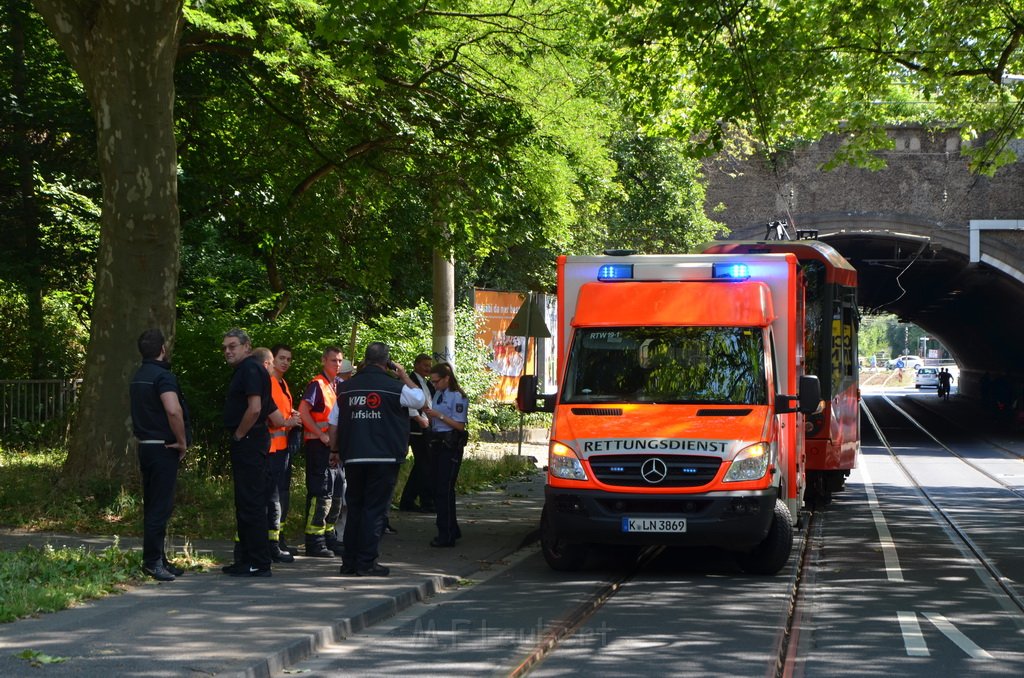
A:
[526, 361]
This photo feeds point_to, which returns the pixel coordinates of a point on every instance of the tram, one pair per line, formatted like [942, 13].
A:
[832, 438]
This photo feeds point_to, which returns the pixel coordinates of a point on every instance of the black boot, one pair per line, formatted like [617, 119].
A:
[279, 556]
[334, 545]
[316, 547]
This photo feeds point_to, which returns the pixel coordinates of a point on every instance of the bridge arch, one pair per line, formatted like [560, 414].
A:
[933, 243]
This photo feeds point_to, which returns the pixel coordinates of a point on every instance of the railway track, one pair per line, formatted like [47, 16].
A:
[944, 510]
[778, 663]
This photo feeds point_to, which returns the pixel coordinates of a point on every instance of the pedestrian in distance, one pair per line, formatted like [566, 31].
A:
[448, 413]
[372, 439]
[945, 383]
[325, 484]
[418, 493]
[160, 422]
[247, 408]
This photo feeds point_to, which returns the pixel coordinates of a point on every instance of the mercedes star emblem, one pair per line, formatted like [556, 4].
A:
[654, 470]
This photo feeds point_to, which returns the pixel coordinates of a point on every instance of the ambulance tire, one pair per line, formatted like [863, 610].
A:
[559, 555]
[772, 554]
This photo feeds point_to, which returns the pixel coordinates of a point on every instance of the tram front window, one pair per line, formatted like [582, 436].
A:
[701, 365]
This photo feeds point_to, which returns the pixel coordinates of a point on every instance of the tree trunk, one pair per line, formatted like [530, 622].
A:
[444, 308]
[124, 52]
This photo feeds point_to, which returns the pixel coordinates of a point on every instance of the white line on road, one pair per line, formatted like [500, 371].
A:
[954, 634]
[913, 639]
[892, 559]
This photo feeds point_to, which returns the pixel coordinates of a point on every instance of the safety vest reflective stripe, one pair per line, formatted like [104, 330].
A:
[320, 418]
[321, 426]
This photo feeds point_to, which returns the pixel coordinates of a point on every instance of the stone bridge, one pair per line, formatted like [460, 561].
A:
[933, 243]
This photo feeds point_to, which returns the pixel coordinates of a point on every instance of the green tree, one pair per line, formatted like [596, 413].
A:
[378, 134]
[661, 210]
[791, 71]
[872, 337]
[47, 194]
[124, 55]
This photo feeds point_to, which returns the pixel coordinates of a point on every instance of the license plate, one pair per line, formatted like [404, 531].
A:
[654, 524]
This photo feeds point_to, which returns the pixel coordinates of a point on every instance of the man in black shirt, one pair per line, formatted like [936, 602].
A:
[248, 405]
[160, 423]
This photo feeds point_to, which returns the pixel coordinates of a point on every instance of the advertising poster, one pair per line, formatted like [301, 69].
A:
[506, 354]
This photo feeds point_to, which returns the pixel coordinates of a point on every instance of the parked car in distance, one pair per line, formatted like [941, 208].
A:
[927, 377]
[910, 362]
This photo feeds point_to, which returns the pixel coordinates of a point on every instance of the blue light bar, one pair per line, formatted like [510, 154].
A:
[730, 271]
[615, 272]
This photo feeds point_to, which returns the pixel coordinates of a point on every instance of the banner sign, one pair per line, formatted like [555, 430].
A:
[508, 353]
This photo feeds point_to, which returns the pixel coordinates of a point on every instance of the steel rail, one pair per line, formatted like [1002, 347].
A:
[979, 469]
[568, 625]
[998, 578]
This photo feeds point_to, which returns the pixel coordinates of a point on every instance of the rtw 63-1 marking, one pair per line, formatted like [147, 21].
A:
[654, 524]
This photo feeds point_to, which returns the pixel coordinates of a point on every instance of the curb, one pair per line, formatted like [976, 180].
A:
[305, 648]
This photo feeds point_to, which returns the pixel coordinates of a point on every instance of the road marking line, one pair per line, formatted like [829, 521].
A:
[892, 559]
[954, 634]
[913, 639]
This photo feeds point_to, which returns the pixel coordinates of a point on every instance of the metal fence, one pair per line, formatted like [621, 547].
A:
[35, 400]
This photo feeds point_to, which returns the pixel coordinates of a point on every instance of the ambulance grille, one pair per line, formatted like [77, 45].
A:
[625, 470]
[597, 411]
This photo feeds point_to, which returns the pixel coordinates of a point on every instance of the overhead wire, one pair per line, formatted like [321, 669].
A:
[899, 284]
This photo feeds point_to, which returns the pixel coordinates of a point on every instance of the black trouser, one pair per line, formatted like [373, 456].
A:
[159, 466]
[420, 484]
[368, 493]
[249, 471]
[278, 478]
[447, 461]
[325, 492]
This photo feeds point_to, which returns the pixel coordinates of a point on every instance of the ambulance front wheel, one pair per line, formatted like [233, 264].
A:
[559, 554]
[772, 554]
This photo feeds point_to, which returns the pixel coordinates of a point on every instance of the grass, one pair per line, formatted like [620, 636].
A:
[36, 580]
[204, 504]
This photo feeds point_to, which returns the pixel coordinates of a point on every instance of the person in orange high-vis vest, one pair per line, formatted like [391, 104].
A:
[279, 463]
[325, 485]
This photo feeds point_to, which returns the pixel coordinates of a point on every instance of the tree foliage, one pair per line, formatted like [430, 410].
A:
[324, 149]
[790, 70]
[48, 194]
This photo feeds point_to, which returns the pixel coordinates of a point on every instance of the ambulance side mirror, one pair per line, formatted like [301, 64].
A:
[527, 398]
[807, 401]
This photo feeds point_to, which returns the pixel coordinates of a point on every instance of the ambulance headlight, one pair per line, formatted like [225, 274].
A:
[750, 464]
[563, 463]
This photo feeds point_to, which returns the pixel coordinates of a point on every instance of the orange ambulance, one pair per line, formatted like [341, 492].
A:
[680, 406]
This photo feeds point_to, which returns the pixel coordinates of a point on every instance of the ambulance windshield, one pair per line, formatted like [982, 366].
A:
[707, 365]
